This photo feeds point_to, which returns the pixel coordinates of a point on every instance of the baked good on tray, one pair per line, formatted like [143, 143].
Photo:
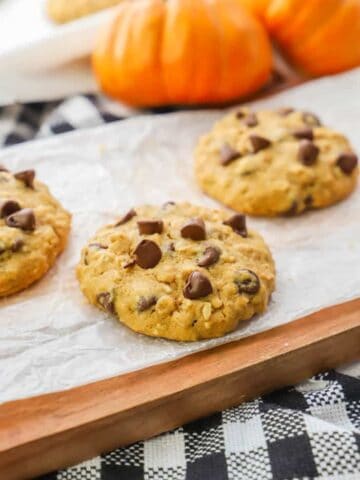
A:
[275, 162]
[33, 230]
[62, 11]
[178, 271]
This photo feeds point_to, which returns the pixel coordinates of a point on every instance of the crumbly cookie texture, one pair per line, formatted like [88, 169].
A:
[62, 11]
[33, 230]
[178, 271]
[275, 163]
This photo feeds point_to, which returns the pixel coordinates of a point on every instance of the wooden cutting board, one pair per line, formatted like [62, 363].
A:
[52, 431]
[49, 432]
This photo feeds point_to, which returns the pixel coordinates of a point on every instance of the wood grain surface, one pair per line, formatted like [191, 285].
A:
[52, 431]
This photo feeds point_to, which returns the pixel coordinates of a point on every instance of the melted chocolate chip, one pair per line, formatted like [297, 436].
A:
[240, 114]
[197, 286]
[7, 207]
[311, 119]
[148, 227]
[247, 281]
[126, 218]
[210, 256]
[238, 223]
[259, 143]
[194, 229]
[308, 152]
[23, 219]
[251, 120]
[305, 132]
[27, 176]
[105, 300]
[285, 111]
[17, 245]
[147, 254]
[228, 154]
[145, 303]
[347, 162]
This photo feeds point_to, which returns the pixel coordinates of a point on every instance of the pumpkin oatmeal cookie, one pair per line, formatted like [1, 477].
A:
[178, 271]
[275, 162]
[33, 230]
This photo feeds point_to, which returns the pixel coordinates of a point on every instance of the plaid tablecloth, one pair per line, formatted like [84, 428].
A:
[308, 431]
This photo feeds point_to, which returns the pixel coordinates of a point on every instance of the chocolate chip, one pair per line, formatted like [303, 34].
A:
[251, 120]
[147, 254]
[148, 227]
[305, 132]
[105, 300]
[347, 162]
[228, 154]
[311, 119]
[23, 219]
[194, 229]
[99, 246]
[17, 245]
[2, 249]
[285, 111]
[259, 143]
[27, 176]
[7, 207]
[197, 286]
[238, 223]
[3, 169]
[126, 218]
[210, 256]
[247, 281]
[292, 210]
[308, 152]
[145, 303]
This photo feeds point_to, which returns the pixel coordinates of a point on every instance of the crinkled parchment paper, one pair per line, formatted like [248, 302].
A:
[51, 339]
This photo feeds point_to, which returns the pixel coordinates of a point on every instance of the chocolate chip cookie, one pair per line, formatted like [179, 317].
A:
[178, 271]
[275, 162]
[62, 11]
[33, 230]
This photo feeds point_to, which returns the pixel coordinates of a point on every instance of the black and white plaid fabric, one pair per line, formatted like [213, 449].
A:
[310, 431]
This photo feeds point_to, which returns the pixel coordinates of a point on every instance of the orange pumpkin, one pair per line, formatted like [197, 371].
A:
[257, 7]
[320, 36]
[158, 52]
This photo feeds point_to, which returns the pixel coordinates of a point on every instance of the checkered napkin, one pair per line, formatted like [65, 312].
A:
[311, 431]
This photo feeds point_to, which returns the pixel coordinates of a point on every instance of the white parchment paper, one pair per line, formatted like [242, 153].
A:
[51, 339]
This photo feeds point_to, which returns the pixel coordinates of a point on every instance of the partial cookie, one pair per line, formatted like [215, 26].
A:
[62, 11]
[275, 163]
[178, 271]
[33, 230]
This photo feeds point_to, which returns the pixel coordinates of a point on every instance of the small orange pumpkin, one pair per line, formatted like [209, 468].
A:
[158, 52]
[257, 7]
[319, 36]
